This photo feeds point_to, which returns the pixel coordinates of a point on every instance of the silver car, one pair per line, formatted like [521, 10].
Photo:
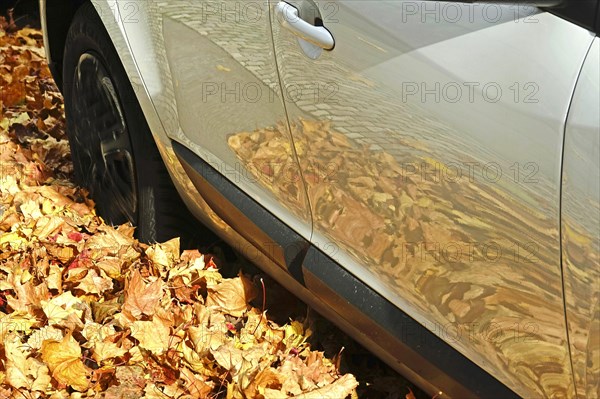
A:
[425, 174]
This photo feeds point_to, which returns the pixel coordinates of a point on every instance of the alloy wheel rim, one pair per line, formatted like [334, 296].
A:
[103, 143]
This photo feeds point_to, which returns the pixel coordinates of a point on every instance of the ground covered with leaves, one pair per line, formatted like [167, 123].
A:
[87, 311]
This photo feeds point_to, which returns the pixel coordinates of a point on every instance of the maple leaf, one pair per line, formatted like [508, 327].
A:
[232, 295]
[229, 357]
[64, 361]
[340, 388]
[107, 350]
[266, 378]
[16, 321]
[60, 259]
[141, 299]
[23, 371]
[164, 255]
[104, 309]
[153, 335]
[123, 391]
[196, 386]
[62, 307]
[93, 283]
[28, 296]
[37, 337]
[111, 266]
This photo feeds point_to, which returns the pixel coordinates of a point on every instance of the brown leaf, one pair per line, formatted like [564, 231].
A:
[153, 335]
[64, 360]
[23, 371]
[232, 295]
[125, 391]
[141, 299]
[341, 388]
[92, 283]
[196, 386]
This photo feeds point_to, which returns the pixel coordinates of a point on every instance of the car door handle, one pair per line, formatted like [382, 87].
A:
[290, 19]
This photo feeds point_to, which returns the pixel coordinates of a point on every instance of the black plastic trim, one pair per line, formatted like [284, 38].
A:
[354, 292]
[293, 245]
[403, 327]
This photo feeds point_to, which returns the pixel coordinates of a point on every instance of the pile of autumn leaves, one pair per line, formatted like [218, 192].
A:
[88, 311]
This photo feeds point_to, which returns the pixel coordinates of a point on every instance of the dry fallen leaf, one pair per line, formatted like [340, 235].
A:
[107, 350]
[232, 295]
[153, 335]
[141, 298]
[23, 371]
[64, 361]
[340, 388]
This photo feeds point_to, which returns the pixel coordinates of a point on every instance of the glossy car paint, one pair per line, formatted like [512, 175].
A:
[501, 314]
[446, 134]
[581, 226]
[200, 65]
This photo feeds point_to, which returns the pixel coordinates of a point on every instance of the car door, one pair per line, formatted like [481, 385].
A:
[581, 226]
[209, 69]
[431, 149]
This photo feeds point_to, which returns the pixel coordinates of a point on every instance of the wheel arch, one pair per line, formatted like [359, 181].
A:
[56, 17]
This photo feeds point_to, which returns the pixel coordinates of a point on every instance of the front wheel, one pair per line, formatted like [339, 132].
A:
[114, 154]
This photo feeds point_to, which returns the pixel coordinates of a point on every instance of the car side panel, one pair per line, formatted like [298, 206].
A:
[440, 128]
[581, 226]
[201, 94]
[210, 71]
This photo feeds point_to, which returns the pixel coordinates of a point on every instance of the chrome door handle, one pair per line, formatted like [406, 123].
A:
[290, 19]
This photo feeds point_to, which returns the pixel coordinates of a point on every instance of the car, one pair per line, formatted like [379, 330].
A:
[424, 174]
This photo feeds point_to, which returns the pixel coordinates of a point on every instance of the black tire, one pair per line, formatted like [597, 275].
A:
[114, 154]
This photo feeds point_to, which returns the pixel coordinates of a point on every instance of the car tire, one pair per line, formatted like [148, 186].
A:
[113, 150]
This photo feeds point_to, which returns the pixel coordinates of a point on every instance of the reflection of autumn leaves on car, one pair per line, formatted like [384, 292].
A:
[429, 237]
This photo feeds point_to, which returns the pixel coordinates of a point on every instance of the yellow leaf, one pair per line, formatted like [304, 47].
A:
[61, 307]
[64, 360]
[47, 226]
[228, 357]
[196, 386]
[153, 335]
[295, 335]
[17, 321]
[31, 210]
[140, 298]
[54, 278]
[187, 269]
[341, 388]
[13, 239]
[232, 295]
[111, 266]
[107, 350]
[37, 337]
[95, 333]
[92, 283]
[23, 371]
[165, 254]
